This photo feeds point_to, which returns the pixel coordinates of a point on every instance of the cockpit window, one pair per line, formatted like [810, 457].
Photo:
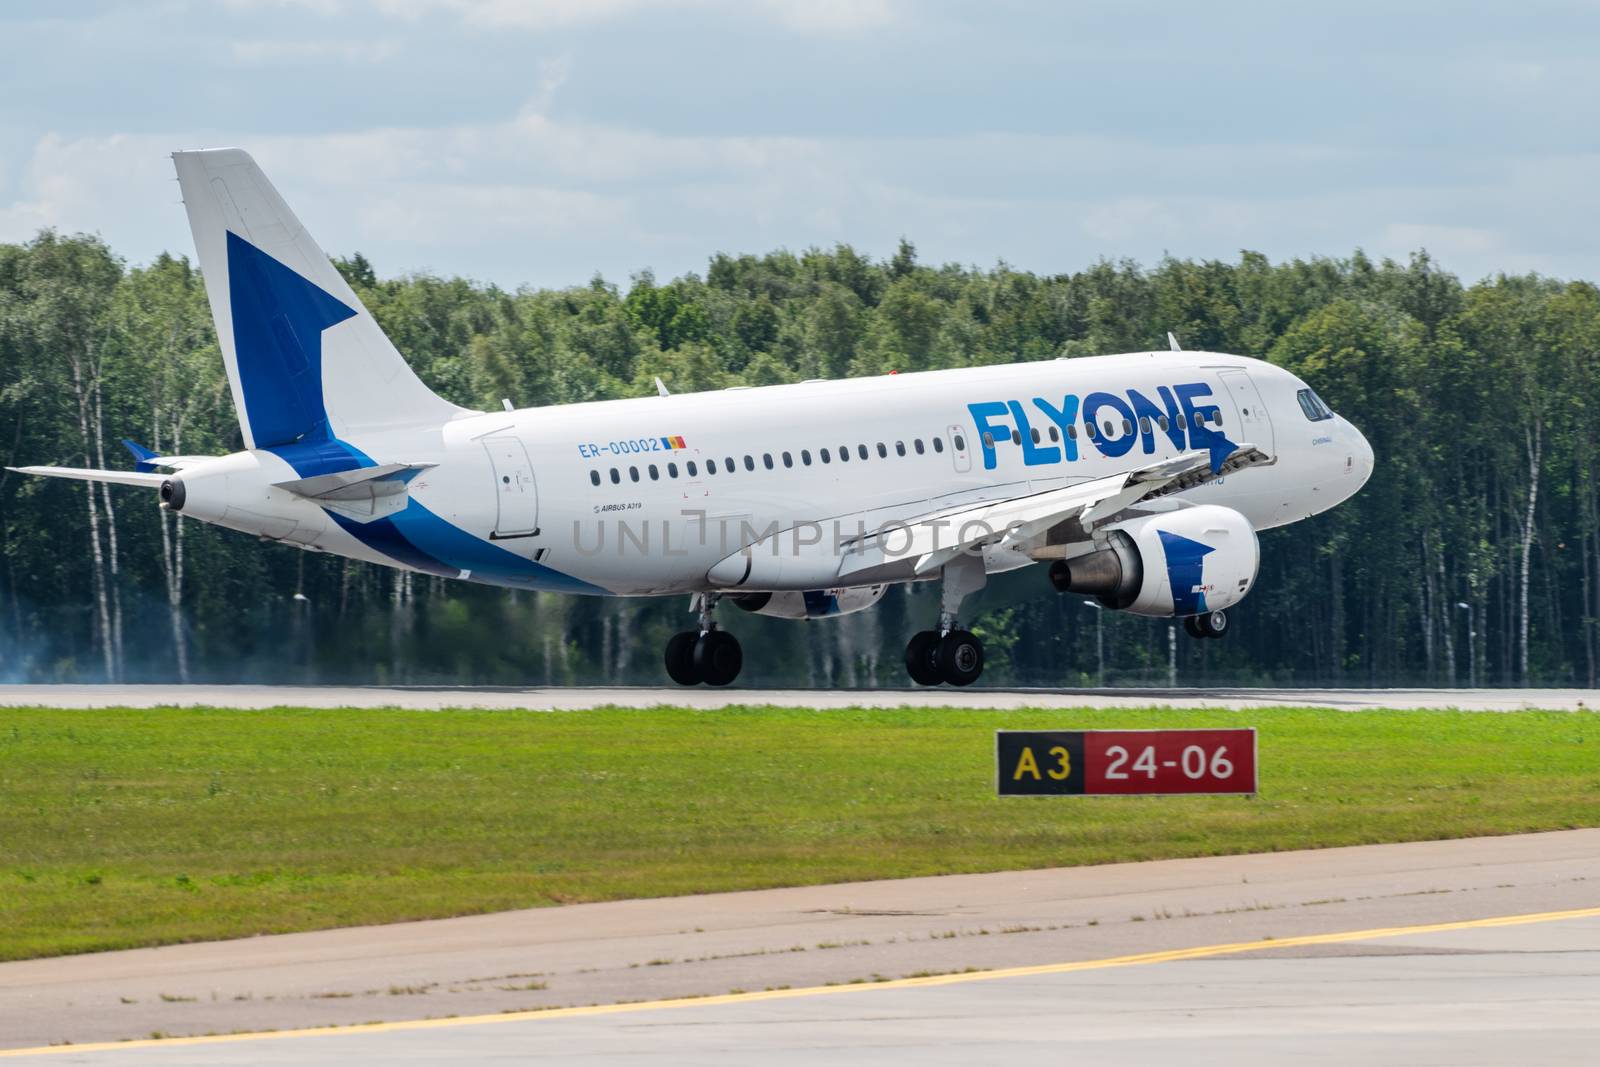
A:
[1312, 405]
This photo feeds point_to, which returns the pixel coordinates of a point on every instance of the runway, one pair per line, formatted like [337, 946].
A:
[582, 698]
[1469, 951]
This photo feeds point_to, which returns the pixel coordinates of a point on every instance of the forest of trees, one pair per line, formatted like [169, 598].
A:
[1475, 547]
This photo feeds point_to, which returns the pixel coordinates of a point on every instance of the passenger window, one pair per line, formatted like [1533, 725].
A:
[672, 470]
[899, 448]
[988, 440]
[1034, 432]
[861, 450]
[1055, 434]
[788, 460]
[1183, 421]
[766, 460]
[711, 466]
[1016, 437]
[1144, 424]
[1089, 430]
[728, 464]
[655, 473]
[616, 476]
[749, 463]
[883, 450]
[1216, 417]
[961, 443]
[1110, 429]
[1072, 431]
[823, 452]
[805, 456]
[594, 476]
[938, 443]
[688, 467]
[1127, 427]
[844, 453]
[633, 472]
[1161, 421]
[917, 444]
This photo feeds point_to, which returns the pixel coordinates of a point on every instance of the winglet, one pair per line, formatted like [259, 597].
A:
[141, 456]
[661, 387]
[1172, 342]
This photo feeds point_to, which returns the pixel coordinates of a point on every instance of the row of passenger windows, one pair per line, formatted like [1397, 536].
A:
[728, 465]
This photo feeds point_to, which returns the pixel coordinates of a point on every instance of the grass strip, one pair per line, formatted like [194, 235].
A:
[127, 827]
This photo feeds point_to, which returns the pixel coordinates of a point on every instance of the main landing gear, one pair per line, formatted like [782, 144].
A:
[707, 654]
[1209, 624]
[949, 654]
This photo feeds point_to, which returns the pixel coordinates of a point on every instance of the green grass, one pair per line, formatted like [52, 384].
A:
[124, 827]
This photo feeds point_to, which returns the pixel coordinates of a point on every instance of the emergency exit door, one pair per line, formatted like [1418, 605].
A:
[516, 495]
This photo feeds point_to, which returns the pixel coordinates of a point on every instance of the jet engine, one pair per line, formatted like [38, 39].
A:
[1180, 563]
[811, 604]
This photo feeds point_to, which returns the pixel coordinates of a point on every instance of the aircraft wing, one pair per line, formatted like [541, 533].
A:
[84, 474]
[933, 540]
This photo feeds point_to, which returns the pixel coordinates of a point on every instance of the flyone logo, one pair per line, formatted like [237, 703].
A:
[1181, 415]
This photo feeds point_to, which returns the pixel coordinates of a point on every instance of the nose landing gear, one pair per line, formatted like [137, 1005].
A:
[706, 655]
[1210, 624]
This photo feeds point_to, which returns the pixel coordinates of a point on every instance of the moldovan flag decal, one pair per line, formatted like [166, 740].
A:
[673, 443]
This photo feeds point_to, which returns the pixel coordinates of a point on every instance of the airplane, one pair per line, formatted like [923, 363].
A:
[1141, 479]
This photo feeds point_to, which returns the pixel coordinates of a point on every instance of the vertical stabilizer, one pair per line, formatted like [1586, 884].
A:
[306, 361]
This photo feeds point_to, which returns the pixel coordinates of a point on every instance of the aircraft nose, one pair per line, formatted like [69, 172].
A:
[1359, 459]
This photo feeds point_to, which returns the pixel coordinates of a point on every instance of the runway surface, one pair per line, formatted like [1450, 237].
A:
[578, 699]
[1256, 959]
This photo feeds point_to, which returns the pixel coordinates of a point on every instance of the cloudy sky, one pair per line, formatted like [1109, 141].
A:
[541, 141]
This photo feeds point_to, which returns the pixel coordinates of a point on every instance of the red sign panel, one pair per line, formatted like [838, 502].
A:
[1125, 762]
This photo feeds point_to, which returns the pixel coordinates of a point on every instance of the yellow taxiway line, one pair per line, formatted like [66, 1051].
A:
[1167, 956]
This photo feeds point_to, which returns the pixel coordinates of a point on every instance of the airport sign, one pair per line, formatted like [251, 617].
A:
[1125, 762]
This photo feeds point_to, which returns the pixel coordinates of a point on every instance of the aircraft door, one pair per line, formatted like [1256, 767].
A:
[1255, 424]
[958, 448]
[516, 494]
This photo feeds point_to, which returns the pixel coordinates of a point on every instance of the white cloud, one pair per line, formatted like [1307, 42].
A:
[534, 198]
[811, 16]
[272, 52]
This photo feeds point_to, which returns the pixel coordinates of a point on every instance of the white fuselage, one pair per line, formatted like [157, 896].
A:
[512, 497]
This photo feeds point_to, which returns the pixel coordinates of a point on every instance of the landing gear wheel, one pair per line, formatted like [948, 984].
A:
[921, 651]
[1212, 624]
[680, 658]
[718, 657]
[1191, 626]
[960, 657]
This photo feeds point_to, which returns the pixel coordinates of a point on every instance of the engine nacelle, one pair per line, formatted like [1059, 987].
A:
[1177, 563]
[812, 604]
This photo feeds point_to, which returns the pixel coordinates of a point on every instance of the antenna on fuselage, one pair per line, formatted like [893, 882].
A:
[1172, 342]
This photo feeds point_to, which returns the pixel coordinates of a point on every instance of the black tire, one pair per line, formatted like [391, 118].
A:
[680, 658]
[1214, 623]
[920, 661]
[1191, 626]
[718, 657]
[960, 657]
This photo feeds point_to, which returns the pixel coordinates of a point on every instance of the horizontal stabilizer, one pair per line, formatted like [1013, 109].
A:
[364, 494]
[84, 474]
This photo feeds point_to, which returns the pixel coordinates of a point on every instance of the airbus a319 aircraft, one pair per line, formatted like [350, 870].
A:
[1142, 479]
